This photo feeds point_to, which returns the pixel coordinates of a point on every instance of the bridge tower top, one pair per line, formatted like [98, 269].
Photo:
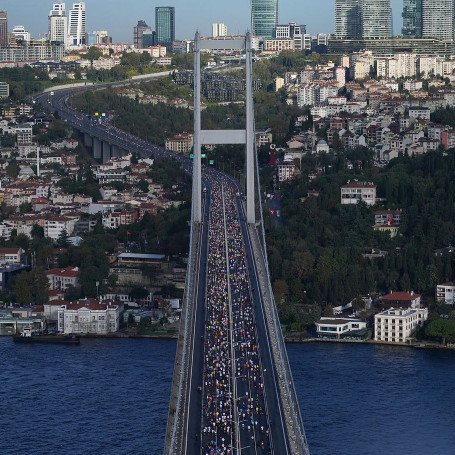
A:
[220, 137]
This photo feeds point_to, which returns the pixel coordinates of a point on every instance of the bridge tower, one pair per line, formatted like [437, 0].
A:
[224, 137]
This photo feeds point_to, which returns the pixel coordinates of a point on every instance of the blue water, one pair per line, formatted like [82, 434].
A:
[111, 397]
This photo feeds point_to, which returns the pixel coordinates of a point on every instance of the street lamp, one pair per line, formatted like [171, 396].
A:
[97, 286]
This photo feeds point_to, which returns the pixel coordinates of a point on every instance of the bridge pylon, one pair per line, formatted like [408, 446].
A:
[224, 137]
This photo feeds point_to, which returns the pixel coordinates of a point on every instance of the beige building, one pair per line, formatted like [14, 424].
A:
[181, 143]
[398, 325]
[354, 192]
[279, 44]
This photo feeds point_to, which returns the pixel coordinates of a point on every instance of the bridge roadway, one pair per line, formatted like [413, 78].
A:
[232, 385]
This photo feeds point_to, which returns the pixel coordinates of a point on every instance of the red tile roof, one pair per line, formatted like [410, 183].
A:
[403, 296]
[9, 250]
[66, 272]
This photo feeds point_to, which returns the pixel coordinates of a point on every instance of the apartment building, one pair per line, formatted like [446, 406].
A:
[446, 293]
[355, 192]
[180, 143]
[62, 279]
[398, 325]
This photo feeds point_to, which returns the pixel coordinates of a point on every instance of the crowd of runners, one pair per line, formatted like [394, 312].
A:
[234, 411]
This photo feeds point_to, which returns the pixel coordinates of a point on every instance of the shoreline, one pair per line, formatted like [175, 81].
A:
[418, 345]
[287, 339]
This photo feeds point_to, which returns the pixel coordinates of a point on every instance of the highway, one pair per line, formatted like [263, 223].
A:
[233, 403]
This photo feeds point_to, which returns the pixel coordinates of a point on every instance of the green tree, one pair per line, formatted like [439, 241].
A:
[138, 293]
[441, 328]
[22, 289]
[143, 185]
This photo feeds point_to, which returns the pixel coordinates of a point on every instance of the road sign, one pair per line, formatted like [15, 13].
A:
[191, 156]
[203, 155]
[211, 162]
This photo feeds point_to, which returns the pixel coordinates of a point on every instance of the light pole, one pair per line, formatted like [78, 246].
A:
[97, 286]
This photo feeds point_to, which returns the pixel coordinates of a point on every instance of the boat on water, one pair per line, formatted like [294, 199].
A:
[28, 336]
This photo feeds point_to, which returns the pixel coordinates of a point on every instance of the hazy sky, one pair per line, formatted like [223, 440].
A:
[120, 16]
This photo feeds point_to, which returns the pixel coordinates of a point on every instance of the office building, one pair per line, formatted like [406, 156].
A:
[77, 24]
[20, 34]
[4, 28]
[148, 38]
[376, 18]
[438, 19]
[138, 33]
[219, 30]
[165, 25]
[292, 31]
[33, 52]
[58, 24]
[412, 18]
[347, 19]
[264, 17]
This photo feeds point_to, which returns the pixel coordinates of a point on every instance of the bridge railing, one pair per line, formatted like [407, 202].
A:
[291, 408]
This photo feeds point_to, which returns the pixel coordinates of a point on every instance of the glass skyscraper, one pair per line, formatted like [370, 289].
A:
[165, 25]
[376, 18]
[264, 17]
[412, 18]
[438, 19]
[347, 19]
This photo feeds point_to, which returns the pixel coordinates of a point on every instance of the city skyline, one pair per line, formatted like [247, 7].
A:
[124, 16]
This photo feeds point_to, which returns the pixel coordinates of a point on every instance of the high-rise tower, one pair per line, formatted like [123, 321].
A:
[438, 19]
[376, 18]
[347, 19]
[165, 25]
[58, 23]
[264, 17]
[4, 28]
[77, 24]
[138, 33]
[412, 18]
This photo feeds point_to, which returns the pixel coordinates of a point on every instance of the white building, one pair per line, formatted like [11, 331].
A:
[354, 192]
[286, 172]
[398, 325]
[11, 255]
[316, 93]
[76, 30]
[20, 33]
[62, 279]
[58, 23]
[54, 226]
[419, 112]
[90, 316]
[446, 293]
[219, 30]
[337, 327]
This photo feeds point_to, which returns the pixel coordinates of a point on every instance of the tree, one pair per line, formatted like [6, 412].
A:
[138, 293]
[37, 232]
[22, 241]
[12, 169]
[441, 328]
[93, 54]
[22, 289]
[62, 240]
[280, 290]
[143, 185]
[32, 287]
